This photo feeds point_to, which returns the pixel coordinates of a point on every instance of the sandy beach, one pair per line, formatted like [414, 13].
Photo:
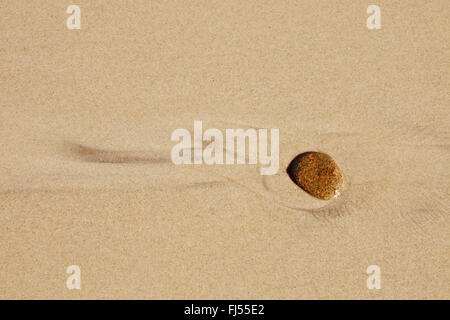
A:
[86, 178]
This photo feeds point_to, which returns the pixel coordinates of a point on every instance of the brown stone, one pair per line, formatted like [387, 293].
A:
[317, 174]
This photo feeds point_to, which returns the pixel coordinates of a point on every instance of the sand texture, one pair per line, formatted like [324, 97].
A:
[86, 176]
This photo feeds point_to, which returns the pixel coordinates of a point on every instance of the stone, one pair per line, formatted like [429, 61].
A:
[317, 174]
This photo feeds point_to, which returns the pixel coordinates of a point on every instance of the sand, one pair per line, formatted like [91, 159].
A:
[141, 227]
